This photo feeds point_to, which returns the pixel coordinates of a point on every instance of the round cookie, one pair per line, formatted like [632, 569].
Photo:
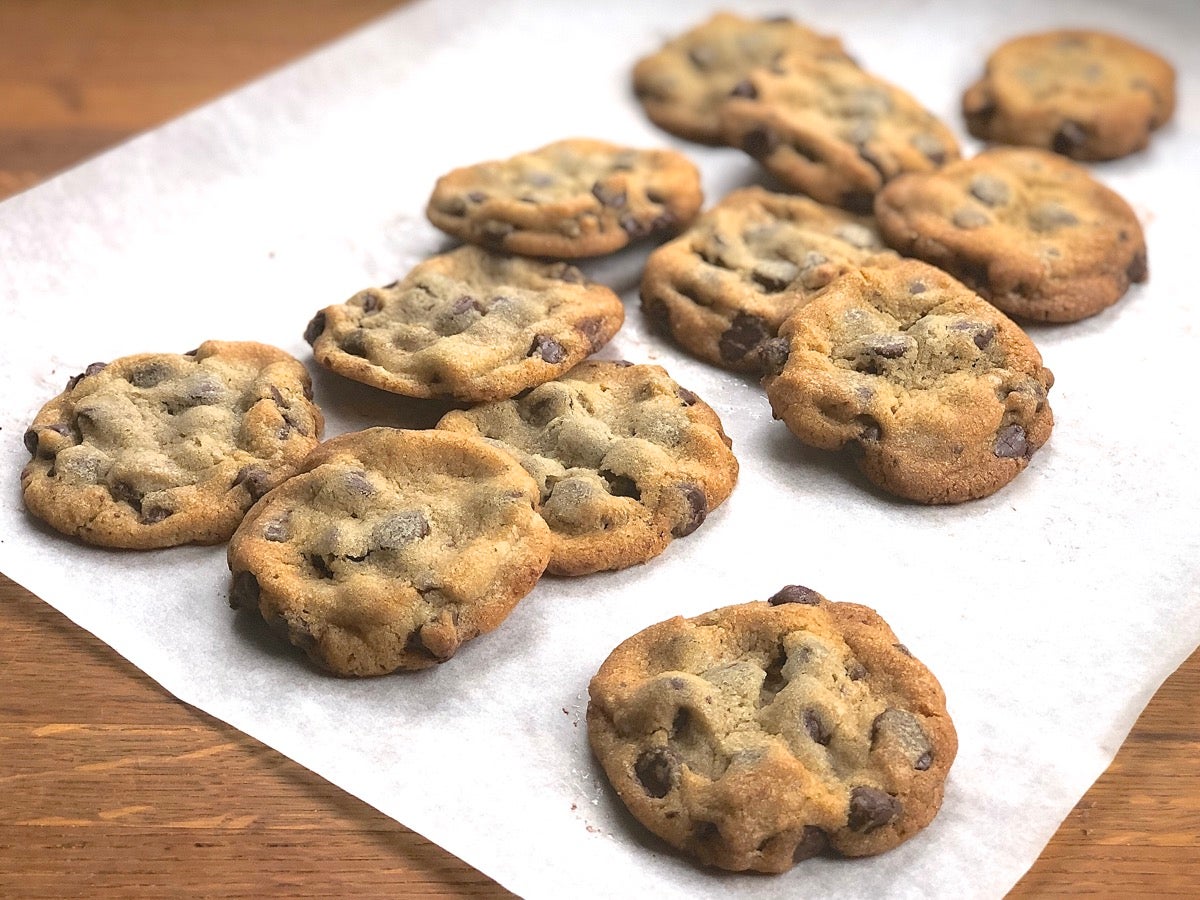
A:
[682, 85]
[757, 736]
[390, 549]
[727, 284]
[1028, 230]
[467, 325]
[161, 449]
[1084, 94]
[625, 460]
[941, 397]
[569, 199]
[826, 127]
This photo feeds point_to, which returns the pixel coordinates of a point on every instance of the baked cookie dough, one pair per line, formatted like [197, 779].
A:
[1030, 231]
[1085, 94]
[726, 284]
[573, 198]
[390, 549]
[683, 84]
[625, 460]
[161, 449]
[828, 128]
[940, 396]
[467, 325]
[757, 736]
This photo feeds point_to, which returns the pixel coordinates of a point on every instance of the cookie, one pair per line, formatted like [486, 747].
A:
[832, 130]
[727, 284]
[161, 449]
[570, 199]
[1030, 231]
[625, 460]
[759, 735]
[940, 396]
[1085, 94]
[467, 325]
[390, 549]
[684, 83]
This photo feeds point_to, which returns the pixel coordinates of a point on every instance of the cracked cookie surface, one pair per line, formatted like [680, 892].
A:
[573, 198]
[161, 449]
[940, 396]
[759, 735]
[467, 325]
[1033, 233]
[832, 130]
[683, 84]
[390, 549]
[1085, 94]
[625, 460]
[726, 285]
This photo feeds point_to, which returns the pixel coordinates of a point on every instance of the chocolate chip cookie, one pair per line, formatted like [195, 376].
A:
[467, 325]
[757, 736]
[726, 284]
[1030, 231]
[1084, 94]
[940, 396]
[570, 199]
[161, 449]
[625, 460]
[390, 549]
[832, 130]
[682, 85]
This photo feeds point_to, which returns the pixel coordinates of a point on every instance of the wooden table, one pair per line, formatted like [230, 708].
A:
[111, 788]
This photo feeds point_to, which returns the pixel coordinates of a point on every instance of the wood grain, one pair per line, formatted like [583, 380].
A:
[110, 787]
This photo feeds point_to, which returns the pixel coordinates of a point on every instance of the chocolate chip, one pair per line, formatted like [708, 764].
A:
[609, 196]
[370, 301]
[314, 328]
[245, 591]
[903, 648]
[813, 842]
[1011, 443]
[476, 196]
[929, 147]
[917, 287]
[462, 304]
[454, 206]
[967, 218]
[1069, 139]
[547, 348]
[31, 442]
[149, 375]
[1137, 270]
[760, 142]
[634, 227]
[320, 565]
[900, 729]
[697, 509]
[591, 328]
[990, 190]
[400, 530]
[795, 593]
[772, 356]
[570, 274]
[869, 429]
[657, 769]
[871, 808]
[493, 232]
[982, 334]
[1051, 217]
[657, 312]
[744, 334]
[155, 514]
[90, 370]
[256, 481]
[744, 88]
[855, 670]
[278, 530]
[621, 485]
[775, 274]
[126, 493]
[816, 728]
[688, 398]
[888, 346]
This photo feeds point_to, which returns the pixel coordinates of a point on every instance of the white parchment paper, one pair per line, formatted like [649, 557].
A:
[1050, 611]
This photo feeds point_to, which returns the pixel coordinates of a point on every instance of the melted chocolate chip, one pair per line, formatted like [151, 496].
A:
[744, 334]
[149, 375]
[656, 769]
[320, 565]
[314, 328]
[277, 530]
[816, 728]
[609, 196]
[155, 514]
[1069, 138]
[656, 312]
[591, 329]
[795, 593]
[1137, 270]
[355, 343]
[256, 481]
[688, 398]
[813, 842]
[871, 808]
[547, 348]
[126, 493]
[245, 591]
[1010, 442]
[760, 142]
[31, 442]
[400, 530]
[90, 370]
[773, 356]
[744, 88]
[697, 509]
